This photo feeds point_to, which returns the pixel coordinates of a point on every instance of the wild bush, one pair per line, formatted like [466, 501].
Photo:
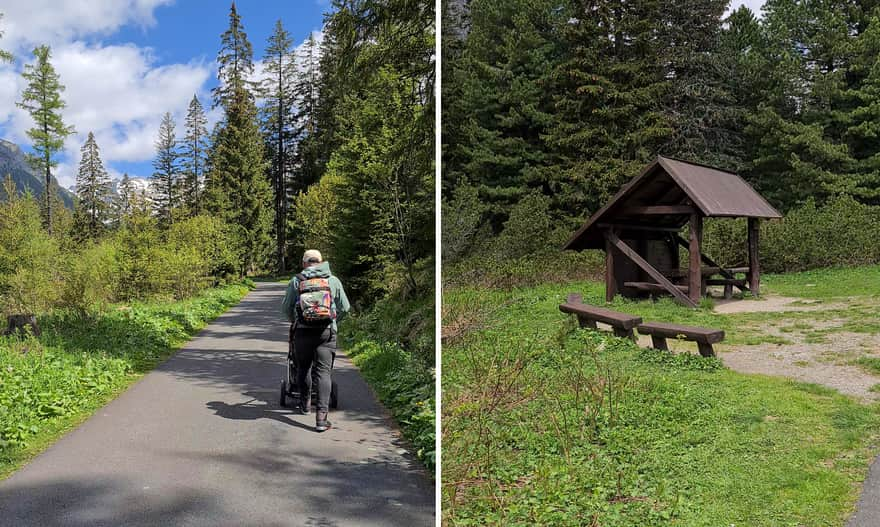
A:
[841, 232]
[29, 258]
[91, 277]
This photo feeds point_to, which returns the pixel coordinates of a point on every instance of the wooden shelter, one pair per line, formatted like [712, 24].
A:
[639, 229]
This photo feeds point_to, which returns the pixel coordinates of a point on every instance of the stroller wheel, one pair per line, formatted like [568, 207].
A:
[282, 400]
[334, 395]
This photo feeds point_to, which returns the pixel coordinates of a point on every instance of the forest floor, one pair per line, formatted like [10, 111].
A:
[544, 423]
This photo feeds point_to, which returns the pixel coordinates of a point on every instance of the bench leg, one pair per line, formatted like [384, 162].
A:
[728, 291]
[587, 323]
[658, 342]
[625, 333]
[705, 349]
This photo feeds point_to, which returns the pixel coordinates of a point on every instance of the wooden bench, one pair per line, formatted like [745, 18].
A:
[728, 284]
[588, 315]
[653, 287]
[704, 337]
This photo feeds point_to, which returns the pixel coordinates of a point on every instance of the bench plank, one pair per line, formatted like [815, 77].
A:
[600, 314]
[694, 333]
[651, 286]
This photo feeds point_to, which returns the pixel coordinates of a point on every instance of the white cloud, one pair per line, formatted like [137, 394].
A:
[117, 92]
[29, 22]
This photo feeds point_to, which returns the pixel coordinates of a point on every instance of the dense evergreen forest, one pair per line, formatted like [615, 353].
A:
[550, 106]
[331, 148]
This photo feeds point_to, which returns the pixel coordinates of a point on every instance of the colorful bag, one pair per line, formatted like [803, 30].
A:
[315, 300]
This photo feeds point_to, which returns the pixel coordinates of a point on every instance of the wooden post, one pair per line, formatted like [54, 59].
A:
[673, 253]
[658, 277]
[695, 275]
[610, 279]
[754, 264]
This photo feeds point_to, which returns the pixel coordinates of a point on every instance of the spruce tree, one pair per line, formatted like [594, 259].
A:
[238, 189]
[124, 201]
[42, 99]
[277, 89]
[306, 92]
[194, 148]
[92, 190]
[498, 104]
[167, 172]
[609, 92]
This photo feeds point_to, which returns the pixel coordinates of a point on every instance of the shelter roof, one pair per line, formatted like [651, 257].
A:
[660, 195]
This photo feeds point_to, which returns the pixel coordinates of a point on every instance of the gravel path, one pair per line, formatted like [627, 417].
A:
[201, 440]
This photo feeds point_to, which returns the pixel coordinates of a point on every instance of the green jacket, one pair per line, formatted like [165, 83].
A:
[340, 304]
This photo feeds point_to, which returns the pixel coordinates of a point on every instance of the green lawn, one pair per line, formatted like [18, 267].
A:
[550, 425]
[51, 384]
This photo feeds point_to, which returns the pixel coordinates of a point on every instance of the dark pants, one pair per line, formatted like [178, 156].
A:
[315, 347]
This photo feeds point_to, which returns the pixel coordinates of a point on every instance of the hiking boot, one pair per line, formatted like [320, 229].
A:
[321, 422]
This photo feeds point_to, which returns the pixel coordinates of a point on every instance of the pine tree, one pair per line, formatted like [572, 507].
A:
[235, 63]
[377, 74]
[124, 203]
[498, 105]
[609, 93]
[277, 89]
[42, 99]
[92, 190]
[306, 92]
[193, 156]
[238, 190]
[167, 172]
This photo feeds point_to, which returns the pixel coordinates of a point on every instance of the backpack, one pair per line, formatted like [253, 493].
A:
[315, 304]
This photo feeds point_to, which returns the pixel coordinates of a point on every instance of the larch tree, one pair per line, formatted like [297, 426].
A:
[193, 156]
[166, 176]
[278, 121]
[92, 190]
[42, 99]
[239, 191]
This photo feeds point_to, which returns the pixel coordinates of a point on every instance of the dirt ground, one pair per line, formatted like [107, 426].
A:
[829, 363]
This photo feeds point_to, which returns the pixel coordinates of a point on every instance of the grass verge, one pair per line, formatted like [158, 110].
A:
[546, 424]
[48, 385]
[393, 346]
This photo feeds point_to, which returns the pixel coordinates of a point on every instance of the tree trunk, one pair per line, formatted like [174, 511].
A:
[16, 323]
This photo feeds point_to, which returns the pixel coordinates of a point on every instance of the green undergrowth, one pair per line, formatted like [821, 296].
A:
[547, 424]
[80, 362]
[393, 346]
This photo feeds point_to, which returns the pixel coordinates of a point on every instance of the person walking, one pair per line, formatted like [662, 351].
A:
[314, 304]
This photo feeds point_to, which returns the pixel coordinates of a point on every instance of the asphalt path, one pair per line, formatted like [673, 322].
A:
[868, 508]
[202, 440]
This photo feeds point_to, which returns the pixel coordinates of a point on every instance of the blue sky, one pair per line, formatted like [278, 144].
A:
[126, 62]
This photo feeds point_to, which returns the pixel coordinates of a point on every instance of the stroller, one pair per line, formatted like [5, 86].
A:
[289, 386]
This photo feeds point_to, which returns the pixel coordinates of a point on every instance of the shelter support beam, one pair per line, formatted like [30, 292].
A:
[612, 238]
[695, 274]
[708, 261]
[754, 274]
[610, 279]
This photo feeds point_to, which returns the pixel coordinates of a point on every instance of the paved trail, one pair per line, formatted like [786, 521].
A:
[202, 441]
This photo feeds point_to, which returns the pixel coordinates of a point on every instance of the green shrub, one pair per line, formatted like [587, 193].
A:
[91, 277]
[29, 258]
[842, 232]
[464, 226]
